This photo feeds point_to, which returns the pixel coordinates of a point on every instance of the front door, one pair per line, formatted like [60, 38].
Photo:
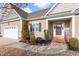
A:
[58, 29]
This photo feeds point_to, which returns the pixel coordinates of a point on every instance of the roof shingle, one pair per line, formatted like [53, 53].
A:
[37, 13]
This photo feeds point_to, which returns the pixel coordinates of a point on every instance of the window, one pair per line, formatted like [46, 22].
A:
[35, 27]
[31, 28]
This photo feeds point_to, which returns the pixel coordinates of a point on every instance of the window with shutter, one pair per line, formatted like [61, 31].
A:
[35, 27]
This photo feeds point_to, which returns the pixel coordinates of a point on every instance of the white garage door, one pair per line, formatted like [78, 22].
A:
[11, 32]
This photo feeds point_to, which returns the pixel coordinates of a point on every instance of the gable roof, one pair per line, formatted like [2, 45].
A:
[61, 7]
[21, 12]
[51, 8]
[64, 9]
[37, 14]
[12, 12]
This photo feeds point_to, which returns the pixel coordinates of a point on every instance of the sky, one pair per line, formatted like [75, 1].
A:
[32, 7]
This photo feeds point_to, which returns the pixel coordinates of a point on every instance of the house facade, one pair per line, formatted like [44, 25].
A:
[61, 21]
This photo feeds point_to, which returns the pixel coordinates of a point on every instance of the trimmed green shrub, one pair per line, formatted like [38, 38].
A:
[73, 42]
[46, 34]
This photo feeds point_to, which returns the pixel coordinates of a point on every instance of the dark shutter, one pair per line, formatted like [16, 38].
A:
[30, 27]
[39, 26]
[33, 27]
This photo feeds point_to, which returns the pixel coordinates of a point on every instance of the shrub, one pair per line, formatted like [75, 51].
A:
[38, 40]
[32, 38]
[73, 42]
[41, 41]
[46, 34]
[25, 31]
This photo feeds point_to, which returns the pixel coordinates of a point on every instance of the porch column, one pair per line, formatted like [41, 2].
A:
[46, 24]
[73, 26]
[20, 29]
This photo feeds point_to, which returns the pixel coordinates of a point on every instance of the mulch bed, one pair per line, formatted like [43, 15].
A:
[9, 51]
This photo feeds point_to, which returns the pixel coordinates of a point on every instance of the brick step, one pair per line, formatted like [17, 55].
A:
[58, 40]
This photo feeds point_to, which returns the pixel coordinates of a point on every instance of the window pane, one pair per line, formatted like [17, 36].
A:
[37, 27]
[30, 27]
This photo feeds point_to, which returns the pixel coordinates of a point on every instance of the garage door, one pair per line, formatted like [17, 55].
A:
[11, 32]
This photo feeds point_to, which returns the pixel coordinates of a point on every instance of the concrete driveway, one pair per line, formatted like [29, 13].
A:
[7, 41]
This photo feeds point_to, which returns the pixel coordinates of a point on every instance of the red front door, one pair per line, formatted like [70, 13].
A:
[58, 29]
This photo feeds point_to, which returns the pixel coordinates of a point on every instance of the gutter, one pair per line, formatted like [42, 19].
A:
[37, 18]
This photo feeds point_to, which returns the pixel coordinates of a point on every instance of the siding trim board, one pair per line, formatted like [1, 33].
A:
[75, 9]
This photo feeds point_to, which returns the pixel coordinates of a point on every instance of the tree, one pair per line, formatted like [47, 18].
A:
[21, 5]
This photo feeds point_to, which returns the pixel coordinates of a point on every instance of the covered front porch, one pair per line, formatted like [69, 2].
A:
[60, 29]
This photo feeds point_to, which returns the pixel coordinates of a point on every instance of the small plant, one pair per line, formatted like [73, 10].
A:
[73, 42]
[32, 38]
[46, 34]
[41, 41]
[38, 40]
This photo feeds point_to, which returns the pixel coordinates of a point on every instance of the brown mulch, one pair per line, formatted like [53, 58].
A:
[9, 51]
